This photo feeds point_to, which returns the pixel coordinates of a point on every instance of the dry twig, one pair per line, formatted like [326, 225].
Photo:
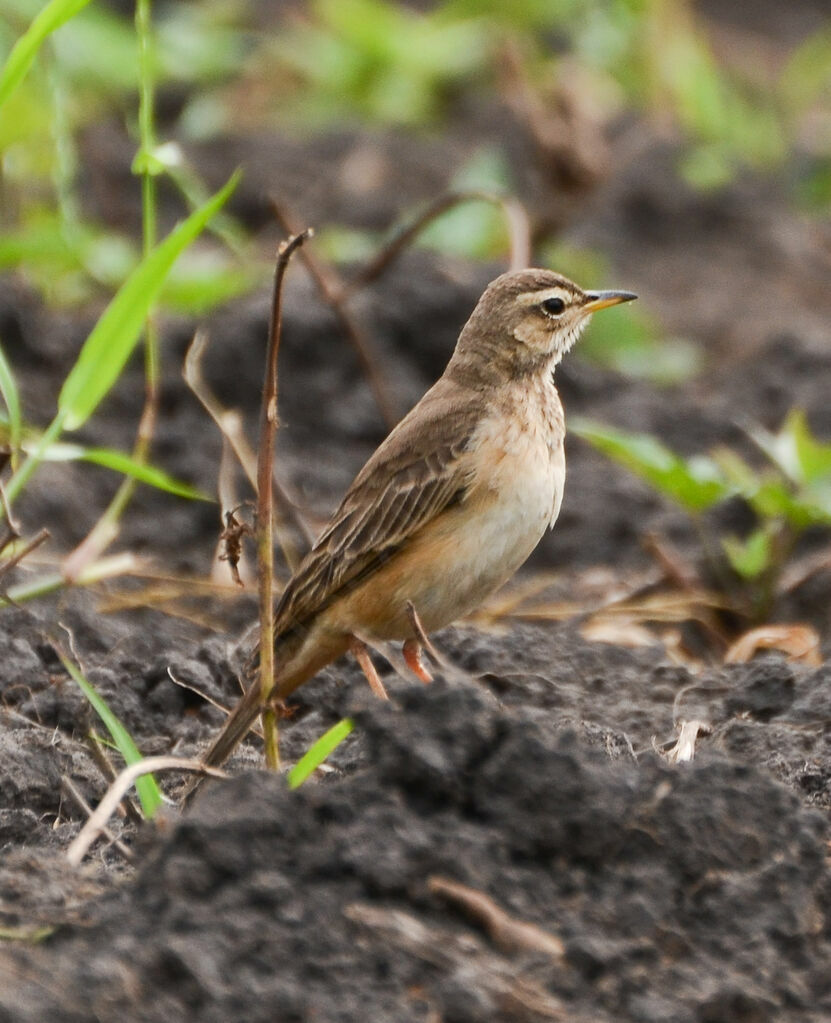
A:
[516, 217]
[513, 996]
[112, 797]
[504, 930]
[265, 504]
[72, 791]
[334, 293]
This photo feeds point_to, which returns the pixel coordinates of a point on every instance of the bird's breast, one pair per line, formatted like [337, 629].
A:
[515, 470]
[520, 471]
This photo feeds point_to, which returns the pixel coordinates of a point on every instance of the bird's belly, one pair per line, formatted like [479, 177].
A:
[457, 560]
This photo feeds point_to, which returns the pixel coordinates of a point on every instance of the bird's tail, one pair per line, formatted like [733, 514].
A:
[298, 656]
[237, 725]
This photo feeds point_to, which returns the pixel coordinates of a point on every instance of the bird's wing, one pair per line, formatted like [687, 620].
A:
[415, 475]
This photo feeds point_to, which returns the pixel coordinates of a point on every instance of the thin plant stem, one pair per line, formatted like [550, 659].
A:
[265, 503]
[24, 473]
[516, 221]
[106, 528]
[106, 568]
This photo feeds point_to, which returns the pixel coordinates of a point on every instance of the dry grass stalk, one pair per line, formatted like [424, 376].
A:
[112, 797]
[265, 504]
[514, 996]
[230, 426]
[684, 749]
[23, 552]
[72, 792]
[100, 758]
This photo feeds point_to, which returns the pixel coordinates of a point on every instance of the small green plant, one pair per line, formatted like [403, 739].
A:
[110, 344]
[378, 60]
[148, 790]
[319, 751]
[789, 496]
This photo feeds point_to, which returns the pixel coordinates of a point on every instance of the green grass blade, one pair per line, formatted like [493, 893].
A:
[25, 50]
[121, 462]
[317, 753]
[148, 790]
[11, 397]
[695, 483]
[114, 336]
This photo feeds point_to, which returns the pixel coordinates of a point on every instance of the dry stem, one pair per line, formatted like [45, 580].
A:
[122, 784]
[334, 292]
[265, 504]
[516, 217]
[230, 427]
[504, 930]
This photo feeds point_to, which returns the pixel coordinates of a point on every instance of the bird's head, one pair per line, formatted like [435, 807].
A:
[526, 321]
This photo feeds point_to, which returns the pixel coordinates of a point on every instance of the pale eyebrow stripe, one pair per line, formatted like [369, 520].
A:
[536, 297]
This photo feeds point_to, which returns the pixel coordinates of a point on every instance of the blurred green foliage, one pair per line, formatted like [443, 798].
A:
[789, 496]
[625, 338]
[332, 62]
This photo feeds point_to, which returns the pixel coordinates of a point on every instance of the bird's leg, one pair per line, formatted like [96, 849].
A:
[412, 655]
[359, 650]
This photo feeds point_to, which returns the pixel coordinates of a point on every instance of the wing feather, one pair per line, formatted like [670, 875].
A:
[412, 478]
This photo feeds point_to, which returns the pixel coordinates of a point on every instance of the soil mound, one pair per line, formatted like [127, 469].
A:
[620, 890]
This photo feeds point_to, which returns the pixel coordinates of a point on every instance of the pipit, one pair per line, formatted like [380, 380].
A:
[450, 505]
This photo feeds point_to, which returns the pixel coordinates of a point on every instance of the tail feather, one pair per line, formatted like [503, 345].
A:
[297, 658]
[237, 725]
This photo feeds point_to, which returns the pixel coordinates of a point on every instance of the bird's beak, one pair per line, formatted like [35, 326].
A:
[603, 299]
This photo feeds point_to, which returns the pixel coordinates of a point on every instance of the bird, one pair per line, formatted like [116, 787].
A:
[448, 507]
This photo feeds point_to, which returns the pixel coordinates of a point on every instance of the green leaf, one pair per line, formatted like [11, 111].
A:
[750, 557]
[53, 15]
[11, 397]
[813, 457]
[695, 483]
[121, 462]
[795, 451]
[316, 754]
[197, 286]
[114, 336]
[148, 790]
[771, 494]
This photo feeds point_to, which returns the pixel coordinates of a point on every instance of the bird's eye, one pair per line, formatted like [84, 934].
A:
[553, 306]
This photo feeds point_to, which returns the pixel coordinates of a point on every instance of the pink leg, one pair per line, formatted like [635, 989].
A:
[412, 655]
[359, 649]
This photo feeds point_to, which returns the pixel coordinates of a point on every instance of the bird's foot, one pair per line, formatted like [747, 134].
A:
[412, 655]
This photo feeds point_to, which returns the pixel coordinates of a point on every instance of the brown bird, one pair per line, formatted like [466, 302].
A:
[450, 505]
